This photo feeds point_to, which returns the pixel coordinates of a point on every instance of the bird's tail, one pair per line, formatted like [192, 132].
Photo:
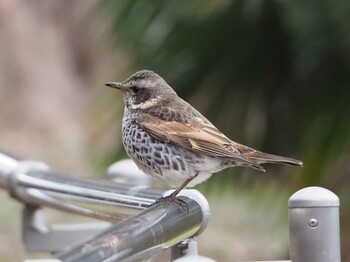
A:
[264, 158]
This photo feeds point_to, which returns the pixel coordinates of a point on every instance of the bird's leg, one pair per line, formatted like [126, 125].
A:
[183, 185]
[172, 197]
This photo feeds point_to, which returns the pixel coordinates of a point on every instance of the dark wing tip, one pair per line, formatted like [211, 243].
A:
[291, 161]
[264, 158]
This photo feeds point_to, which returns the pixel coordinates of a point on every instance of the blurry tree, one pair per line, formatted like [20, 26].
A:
[271, 74]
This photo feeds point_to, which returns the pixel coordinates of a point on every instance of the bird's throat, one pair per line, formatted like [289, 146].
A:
[147, 104]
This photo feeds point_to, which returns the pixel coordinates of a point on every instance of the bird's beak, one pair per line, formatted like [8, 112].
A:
[116, 85]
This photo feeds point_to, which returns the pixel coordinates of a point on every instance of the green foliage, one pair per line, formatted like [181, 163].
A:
[272, 74]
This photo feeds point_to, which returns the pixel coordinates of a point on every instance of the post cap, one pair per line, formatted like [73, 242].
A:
[313, 197]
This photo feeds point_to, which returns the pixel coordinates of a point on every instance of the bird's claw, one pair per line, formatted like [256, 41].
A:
[172, 199]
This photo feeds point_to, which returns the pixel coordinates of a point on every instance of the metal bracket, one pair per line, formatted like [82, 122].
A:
[187, 251]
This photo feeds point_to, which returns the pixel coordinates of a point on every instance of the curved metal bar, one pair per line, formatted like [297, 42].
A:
[34, 183]
[98, 199]
[139, 236]
[143, 235]
[8, 164]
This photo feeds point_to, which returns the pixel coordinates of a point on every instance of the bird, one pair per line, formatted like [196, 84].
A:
[169, 139]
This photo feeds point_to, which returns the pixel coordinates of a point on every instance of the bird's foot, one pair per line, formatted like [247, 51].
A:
[173, 199]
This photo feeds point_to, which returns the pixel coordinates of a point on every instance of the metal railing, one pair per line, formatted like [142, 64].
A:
[141, 235]
[135, 231]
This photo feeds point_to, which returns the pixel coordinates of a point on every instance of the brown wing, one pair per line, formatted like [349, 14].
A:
[198, 136]
[263, 158]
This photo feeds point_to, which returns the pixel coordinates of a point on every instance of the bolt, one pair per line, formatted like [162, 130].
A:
[313, 222]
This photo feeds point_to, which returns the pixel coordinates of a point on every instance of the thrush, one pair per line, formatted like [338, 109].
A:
[169, 139]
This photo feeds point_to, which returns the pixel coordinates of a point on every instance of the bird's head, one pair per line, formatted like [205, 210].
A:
[143, 90]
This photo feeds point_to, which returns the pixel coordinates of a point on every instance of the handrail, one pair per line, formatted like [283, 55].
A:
[143, 235]
[34, 183]
[161, 225]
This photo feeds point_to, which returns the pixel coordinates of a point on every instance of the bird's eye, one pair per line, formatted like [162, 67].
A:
[135, 90]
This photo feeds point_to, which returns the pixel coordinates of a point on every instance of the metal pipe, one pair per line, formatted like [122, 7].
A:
[314, 226]
[98, 199]
[35, 184]
[140, 236]
[145, 234]
[8, 164]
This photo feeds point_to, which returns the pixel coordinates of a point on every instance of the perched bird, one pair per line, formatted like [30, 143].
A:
[169, 139]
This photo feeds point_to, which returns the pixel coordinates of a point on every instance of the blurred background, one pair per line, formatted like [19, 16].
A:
[271, 74]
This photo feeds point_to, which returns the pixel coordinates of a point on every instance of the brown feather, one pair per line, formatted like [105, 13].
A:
[199, 137]
[203, 137]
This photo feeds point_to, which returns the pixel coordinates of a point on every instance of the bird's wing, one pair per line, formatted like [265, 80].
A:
[197, 135]
[263, 158]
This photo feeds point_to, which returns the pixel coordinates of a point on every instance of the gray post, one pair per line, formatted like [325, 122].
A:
[314, 226]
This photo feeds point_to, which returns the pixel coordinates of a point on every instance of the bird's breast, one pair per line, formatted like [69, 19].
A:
[164, 160]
